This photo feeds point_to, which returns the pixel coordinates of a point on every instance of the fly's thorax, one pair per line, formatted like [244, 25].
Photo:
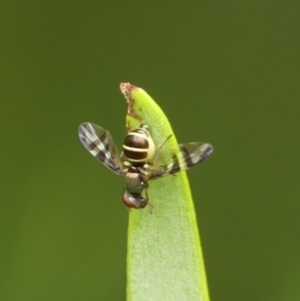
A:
[135, 181]
[138, 146]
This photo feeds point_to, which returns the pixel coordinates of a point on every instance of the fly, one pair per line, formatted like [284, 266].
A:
[140, 160]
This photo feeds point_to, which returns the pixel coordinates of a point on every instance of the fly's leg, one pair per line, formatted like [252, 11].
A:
[158, 150]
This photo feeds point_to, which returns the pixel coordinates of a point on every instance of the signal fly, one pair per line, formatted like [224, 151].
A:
[140, 160]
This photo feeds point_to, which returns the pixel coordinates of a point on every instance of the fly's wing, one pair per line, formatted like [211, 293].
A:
[189, 155]
[99, 143]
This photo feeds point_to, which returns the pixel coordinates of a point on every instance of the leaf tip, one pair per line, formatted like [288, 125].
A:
[126, 90]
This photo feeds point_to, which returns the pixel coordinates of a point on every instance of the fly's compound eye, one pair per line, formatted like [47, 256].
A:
[134, 200]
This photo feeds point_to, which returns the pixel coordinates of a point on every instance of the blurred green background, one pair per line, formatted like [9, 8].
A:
[225, 72]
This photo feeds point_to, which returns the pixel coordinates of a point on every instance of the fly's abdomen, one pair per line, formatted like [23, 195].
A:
[138, 146]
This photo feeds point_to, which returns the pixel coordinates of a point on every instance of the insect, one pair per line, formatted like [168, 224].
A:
[140, 160]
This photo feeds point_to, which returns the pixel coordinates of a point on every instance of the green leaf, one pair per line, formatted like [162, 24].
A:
[164, 261]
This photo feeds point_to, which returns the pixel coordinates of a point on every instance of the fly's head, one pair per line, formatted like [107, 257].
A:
[134, 200]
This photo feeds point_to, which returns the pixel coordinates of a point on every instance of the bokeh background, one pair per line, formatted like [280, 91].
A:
[225, 72]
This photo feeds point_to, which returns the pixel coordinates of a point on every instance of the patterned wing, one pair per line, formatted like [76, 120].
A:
[100, 144]
[189, 155]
